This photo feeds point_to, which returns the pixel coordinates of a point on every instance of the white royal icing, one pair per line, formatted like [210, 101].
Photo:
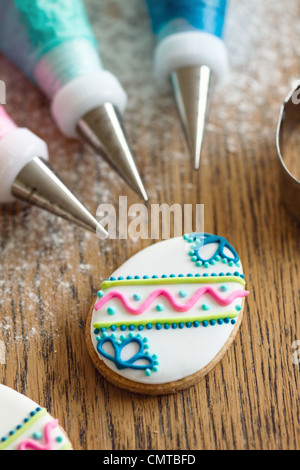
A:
[15, 410]
[180, 352]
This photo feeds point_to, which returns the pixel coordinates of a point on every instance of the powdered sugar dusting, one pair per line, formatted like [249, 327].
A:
[262, 56]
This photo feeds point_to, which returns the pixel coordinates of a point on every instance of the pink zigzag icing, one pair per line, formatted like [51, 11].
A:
[176, 306]
[34, 445]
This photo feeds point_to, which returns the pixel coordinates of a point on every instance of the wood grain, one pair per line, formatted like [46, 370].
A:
[50, 270]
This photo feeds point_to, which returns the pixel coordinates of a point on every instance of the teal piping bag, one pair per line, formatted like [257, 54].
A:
[53, 44]
[190, 51]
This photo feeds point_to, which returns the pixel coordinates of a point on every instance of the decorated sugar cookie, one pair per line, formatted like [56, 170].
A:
[168, 314]
[24, 425]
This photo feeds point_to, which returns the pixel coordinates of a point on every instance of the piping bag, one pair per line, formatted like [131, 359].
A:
[191, 53]
[53, 44]
[26, 175]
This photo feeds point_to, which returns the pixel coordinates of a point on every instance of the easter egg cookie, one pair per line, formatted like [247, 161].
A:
[168, 314]
[24, 425]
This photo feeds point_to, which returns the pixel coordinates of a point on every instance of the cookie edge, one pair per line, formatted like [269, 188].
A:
[167, 388]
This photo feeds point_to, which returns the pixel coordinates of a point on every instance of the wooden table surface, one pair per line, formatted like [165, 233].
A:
[50, 270]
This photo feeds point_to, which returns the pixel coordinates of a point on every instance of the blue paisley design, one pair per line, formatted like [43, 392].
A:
[118, 348]
[202, 239]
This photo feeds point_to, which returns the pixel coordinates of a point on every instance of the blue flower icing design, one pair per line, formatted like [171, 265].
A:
[202, 239]
[130, 363]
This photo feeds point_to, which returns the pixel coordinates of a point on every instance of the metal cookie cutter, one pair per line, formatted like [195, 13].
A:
[288, 147]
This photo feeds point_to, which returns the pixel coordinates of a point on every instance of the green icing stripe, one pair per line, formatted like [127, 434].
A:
[24, 428]
[184, 320]
[67, 446]
[173, 280]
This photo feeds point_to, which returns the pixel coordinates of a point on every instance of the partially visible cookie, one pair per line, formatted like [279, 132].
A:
[168, 314]
[24, 425]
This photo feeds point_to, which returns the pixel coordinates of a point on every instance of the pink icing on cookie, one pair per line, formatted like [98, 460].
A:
[6, 124]
[176, 306]
[30, 444]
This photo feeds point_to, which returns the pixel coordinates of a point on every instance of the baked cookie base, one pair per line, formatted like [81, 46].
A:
[155, 389]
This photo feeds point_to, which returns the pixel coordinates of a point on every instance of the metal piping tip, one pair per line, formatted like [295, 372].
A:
[191, 89]
[37, 184]
[102, 128]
